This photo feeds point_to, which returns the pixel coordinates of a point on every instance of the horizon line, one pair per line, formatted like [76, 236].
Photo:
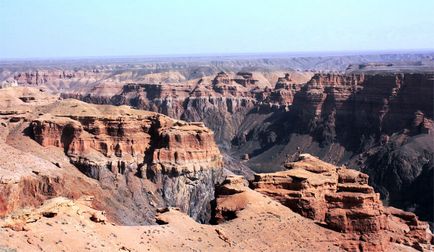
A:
[228, 55]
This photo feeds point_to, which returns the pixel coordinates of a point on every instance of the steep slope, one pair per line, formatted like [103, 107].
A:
[342, 200]
[62, 224]
[137, 160]
[377, 117]
[253, 231]
[381, 124]
[134, 166]
[354, 118]
[220, 101]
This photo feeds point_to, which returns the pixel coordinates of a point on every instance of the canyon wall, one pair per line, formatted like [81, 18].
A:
[136, 161]
[358, 119]
[341, 199]
[180, 158]
[136, 164]
[221, 103]
[381, 124]
[377, 121]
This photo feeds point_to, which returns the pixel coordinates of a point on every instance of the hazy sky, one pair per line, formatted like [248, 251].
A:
[76, 28]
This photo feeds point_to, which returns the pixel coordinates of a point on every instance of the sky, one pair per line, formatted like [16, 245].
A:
[93, 28]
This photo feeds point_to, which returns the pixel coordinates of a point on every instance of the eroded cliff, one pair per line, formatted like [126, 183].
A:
[137, 161]
[341, 199]
[378, 123]
[362, 119]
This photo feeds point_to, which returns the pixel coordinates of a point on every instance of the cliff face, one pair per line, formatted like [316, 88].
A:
[221, 103]
[397, 151]
[357, 109]
[342, 200]
[357, 118]
[381, 124]
[135, 161]
[349, 112]
[135, 165]
[378, 122]
[180, 158]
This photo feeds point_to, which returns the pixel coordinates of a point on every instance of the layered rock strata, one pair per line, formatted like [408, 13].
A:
[134, 161]
[220, 101]
[341, 199]
[379, 122]
[180, 158]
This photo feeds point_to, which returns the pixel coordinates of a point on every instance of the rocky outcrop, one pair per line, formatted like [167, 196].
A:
[221, 104]
[363, 119]
[342, 200]
[372, 122]
[229, 200]
[355, 111]
[41, 77]
[366, 104]
[120, 150]
[221, 101]
[324, 192]
[356, 118]
[343, 118]
[284, 91]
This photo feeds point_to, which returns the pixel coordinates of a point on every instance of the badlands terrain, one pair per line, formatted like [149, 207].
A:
[218, 154]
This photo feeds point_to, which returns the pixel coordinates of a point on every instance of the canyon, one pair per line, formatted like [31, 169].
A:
[141, 160]
[224, 153]
[375, 120]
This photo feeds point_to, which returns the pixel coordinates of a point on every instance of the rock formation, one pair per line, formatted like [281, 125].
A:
[377, 117]
[86, 229]
[363, 119]
[181, 158]
[223, 101]
[373, 122]
[139, 167]
[342, 200]
[141, 160]
[284, 91]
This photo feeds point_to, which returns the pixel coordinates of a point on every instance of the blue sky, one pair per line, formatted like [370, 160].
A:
[81, 28]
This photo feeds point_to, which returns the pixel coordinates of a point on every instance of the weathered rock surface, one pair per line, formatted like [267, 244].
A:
[252, 224]
[254, 230]
[373, 122]
[362, 119]
[137, 161]
[180, 158]
[342, 200]
[365, 120]
[220, 101]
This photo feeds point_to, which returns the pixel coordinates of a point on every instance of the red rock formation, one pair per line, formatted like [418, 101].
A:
[42, 77]
[221, 103]
[173, 145]
[343, 118]
[242, 78]
[225, 101]
[147, 144]
[379, 123]
[342, 200]
[230, 199]
[138, 160]
[405, 227]
[284, 91]
[384, 103]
